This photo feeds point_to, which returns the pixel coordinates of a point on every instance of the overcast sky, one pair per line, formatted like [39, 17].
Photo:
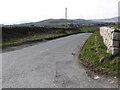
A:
[13, 11]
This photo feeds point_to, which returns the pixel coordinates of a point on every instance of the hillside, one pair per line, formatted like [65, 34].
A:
[115, 19]
[57, 22]
[63, 22]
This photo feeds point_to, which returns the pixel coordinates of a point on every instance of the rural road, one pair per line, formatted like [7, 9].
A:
[50, 64]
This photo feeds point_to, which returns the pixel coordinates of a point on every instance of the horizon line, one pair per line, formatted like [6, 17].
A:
[27, 21]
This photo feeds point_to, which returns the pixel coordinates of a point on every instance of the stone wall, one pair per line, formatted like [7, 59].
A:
[111, 38]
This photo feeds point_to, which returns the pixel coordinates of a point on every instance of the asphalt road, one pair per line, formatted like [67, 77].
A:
[49, 65]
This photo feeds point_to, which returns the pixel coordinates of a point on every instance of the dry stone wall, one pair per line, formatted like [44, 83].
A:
[111, 38]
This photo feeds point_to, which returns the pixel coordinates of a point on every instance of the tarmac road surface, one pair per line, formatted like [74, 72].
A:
[51, 64]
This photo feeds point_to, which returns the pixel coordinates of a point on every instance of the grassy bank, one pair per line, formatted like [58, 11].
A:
[95, 57]
[13, 36]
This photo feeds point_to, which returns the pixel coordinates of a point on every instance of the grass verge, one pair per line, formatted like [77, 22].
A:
[93, 52]
[13, 41]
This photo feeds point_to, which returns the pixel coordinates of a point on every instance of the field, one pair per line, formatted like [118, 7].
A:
[89, 29]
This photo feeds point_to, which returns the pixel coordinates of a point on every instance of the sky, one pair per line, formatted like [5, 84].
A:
[16, 11]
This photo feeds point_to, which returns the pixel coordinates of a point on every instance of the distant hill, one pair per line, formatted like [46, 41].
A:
[57, 22]
[115, 19]
[62, 22]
